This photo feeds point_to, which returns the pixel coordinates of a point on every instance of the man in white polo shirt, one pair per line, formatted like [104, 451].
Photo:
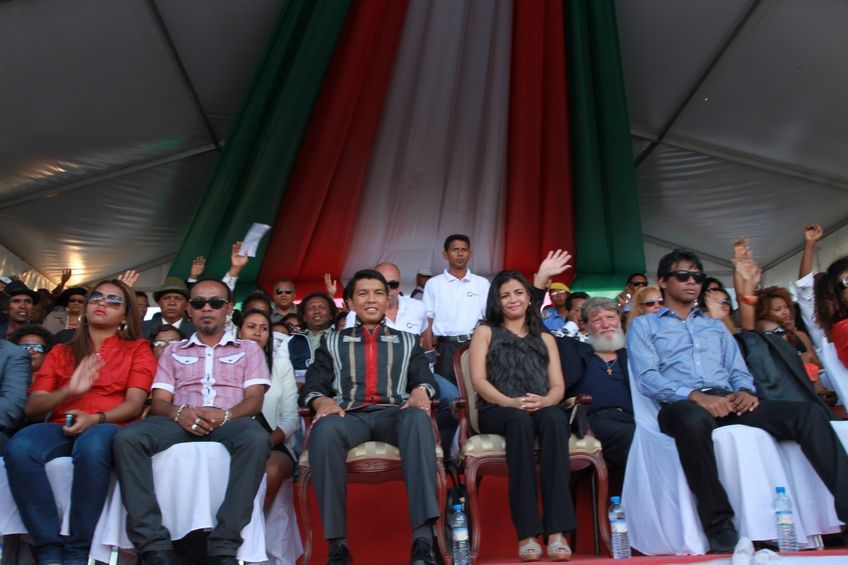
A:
[455, 302]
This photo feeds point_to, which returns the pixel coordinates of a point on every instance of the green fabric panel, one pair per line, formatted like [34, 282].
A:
[251, 175]
[608, 227]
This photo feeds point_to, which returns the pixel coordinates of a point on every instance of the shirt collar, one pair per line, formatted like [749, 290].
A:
[665, 311]
[452, 278]
[226, 339]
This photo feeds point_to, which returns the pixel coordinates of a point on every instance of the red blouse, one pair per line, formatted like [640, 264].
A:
[125, 364]
[840, 340]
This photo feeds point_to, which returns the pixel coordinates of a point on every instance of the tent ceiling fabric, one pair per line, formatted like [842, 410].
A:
[113, 112]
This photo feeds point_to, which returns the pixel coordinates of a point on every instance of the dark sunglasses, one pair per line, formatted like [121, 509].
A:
[683, 276]
[394, 285]
[727, 303]
[639, 283]
[293, 328]
[33, 347]
[279, 291]
[112, 300]
[653, 301]
[215, 302]
[79, 300]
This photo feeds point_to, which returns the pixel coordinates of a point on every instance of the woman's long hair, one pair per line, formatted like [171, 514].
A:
[269, 345]
[636, 309]
[764, 298]
[494, 313]
[830, 308]
[81, 344]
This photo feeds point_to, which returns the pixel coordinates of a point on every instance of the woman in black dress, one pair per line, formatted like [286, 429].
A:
[516, 372]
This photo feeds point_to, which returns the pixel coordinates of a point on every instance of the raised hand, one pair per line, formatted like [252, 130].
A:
[129, 277]
[236, 258]
[741, 250]
[66, 276]
[198, 266]
[555, 263]
[331, 284]
[749, 271]
[813, 233]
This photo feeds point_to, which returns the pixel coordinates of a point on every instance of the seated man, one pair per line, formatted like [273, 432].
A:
[599, 369]
[172, 298]
[691, 365]
[15, 377]
[207, 388]
[370, 382]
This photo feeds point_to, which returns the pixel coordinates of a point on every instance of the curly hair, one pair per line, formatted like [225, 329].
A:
[830, 306]
[764, 298]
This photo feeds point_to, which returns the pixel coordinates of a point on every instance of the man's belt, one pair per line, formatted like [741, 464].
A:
[457, 338]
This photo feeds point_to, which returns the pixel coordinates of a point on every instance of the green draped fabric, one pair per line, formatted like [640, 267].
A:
[608, 228]
[250, 178]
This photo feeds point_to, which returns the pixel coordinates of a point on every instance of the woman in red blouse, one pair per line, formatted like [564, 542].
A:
[82, 392]
[832, 305]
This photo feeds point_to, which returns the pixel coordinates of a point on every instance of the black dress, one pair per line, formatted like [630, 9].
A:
[516, 366]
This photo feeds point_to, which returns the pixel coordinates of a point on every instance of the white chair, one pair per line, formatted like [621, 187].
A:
[60, 473]
[661, 513]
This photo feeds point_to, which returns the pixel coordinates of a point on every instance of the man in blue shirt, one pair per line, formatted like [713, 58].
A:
[555, 315]
[692, 366]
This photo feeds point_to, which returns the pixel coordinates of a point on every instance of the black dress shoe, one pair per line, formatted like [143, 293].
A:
[163, 557]
[339, 555]
[723, 540]
[422, 552]
[221, 560]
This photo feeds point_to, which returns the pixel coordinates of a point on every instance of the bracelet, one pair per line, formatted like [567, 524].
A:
[179, 412]
[102, 417]
[226, 418]
[749, 300]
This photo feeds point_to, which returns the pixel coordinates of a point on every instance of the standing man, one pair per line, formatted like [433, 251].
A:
[207, 388]
[143, 304]
[172, 298]
[19, 311]
[284, 294]
[371, 383]
[455, 302]
[556, 315]
[421, 277]
[691, 365]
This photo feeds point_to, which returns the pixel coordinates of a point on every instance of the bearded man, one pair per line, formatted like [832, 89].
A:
[599, 368]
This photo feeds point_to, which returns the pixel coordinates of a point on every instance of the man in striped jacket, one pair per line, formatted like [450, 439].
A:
[371, 383]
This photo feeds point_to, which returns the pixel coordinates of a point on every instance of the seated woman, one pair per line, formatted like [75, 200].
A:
[831, 290]
[716, 303]
[776, 303]
[646, 300]
[83, 390]
[279, 413]
[72, 301]
[516, 372]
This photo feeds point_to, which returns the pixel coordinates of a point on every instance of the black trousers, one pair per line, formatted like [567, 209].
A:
[614, 429]
[444, 362]
[521, 428]
[691, 426]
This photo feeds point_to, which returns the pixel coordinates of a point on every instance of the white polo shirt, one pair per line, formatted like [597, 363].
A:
[455, 305]
[410, 317]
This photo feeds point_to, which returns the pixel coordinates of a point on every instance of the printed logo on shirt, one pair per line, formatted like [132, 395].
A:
[390, 338]
[348, 338]
[410, 325]
[471, 293]
[230, 359]
[181, 359]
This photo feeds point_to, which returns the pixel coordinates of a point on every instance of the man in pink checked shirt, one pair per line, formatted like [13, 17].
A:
[207, 388]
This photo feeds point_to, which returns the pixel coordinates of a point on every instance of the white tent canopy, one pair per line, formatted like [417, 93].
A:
[114, 114]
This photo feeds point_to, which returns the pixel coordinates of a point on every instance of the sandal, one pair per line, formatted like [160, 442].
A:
[529, 550]
[558, 549]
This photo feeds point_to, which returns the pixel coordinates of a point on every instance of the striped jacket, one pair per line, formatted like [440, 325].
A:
[357, 368]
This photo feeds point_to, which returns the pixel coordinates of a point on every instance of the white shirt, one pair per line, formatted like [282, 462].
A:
[836, 374]
[281, 344]
[410, 317]
[455, 305]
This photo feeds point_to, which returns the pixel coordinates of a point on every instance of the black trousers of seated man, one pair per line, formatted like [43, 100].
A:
[409, 429]
[614, 428]
[691, 426]
[135, 445]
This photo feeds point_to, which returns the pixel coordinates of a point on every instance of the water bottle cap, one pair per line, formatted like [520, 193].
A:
[615, 499]
[457, 507]
[780, 490]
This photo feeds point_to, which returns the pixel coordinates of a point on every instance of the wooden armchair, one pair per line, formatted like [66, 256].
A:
[486, 454]
[372, 462]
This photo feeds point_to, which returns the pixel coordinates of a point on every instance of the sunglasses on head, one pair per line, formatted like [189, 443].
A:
[279, 291]
[394, 285]
[683, 276]
[639, 283]
[652, 301]
[215, 302]
[33, 347]
[111, 300]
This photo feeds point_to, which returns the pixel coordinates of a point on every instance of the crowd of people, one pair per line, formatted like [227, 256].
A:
[84, 374]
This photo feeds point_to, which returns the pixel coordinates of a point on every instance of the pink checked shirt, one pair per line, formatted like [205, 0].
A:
[202, 375]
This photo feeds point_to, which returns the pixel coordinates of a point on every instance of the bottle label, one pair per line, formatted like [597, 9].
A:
[784, 518]
[618, 526]
[460, 534]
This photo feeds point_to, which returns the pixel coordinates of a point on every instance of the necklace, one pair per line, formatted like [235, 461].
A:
[610, 365]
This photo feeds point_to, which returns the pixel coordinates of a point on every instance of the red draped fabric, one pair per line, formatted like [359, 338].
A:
[539, 192]
[317, 215]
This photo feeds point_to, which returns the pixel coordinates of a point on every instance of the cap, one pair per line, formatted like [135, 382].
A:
[559, 286]
[15, 288]
[68, 292]
[425, 272]
[172, 284]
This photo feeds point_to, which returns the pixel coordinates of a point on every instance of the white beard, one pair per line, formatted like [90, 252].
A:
[610, 344]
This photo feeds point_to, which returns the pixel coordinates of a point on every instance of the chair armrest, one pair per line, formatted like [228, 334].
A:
[572, 401]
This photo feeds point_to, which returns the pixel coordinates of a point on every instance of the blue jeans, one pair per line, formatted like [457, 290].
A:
[27, 453]
[445, 419]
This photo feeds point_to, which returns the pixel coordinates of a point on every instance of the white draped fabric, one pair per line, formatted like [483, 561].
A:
[661, 514]
[189, 495]
[439, 164]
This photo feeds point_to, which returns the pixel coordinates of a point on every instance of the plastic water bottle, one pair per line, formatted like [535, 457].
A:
[786, 540]
[459, 537]
[618, 525]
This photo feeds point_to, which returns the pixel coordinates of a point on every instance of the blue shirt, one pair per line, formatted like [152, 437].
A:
[671, 357]
[552, 319]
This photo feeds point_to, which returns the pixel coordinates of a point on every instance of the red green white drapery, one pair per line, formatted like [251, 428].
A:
[426, 117]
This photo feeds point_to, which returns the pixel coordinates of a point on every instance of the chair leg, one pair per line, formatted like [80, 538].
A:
[595, 516]
[442, 484]
[473, 508]
[603, 494]
[303, 500]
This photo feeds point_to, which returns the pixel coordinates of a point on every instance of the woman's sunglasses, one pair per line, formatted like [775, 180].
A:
[33, 347]
[111, 300]
[652, 301]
